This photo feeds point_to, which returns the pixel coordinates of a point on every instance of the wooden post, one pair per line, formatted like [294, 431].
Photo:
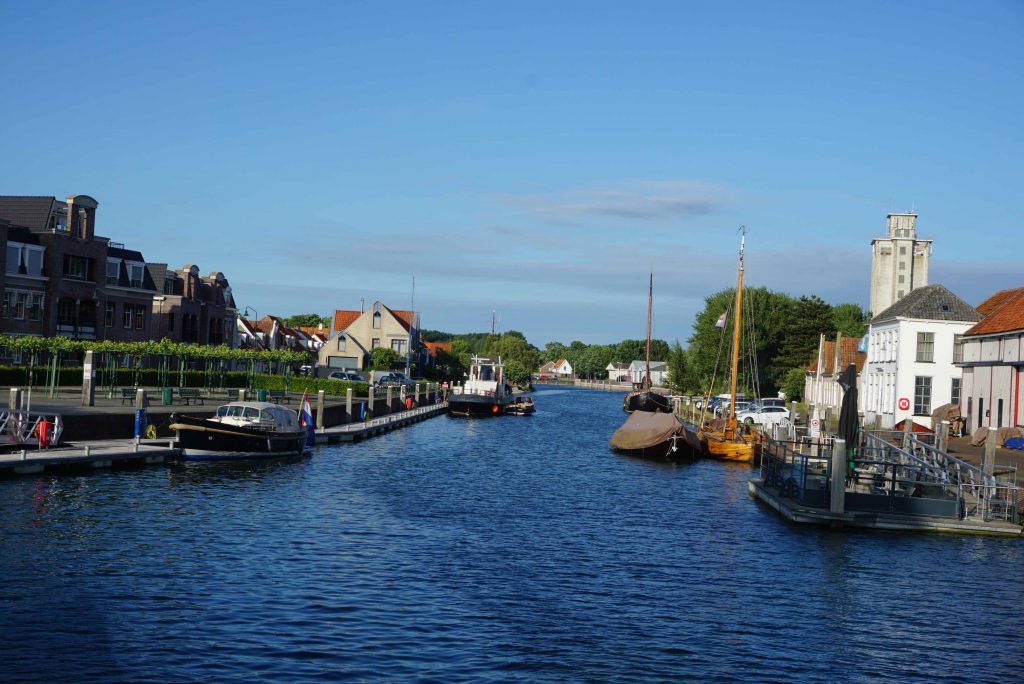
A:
[942, 443]
[369, 402]
[991, 438]
[348, 405]
[416, 398]
[837, 501]
[15, 400]
[88, 377]
[388, 409]
[908, 431]
[320, 409]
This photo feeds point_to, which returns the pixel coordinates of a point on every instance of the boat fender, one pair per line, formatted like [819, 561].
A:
[494, 409]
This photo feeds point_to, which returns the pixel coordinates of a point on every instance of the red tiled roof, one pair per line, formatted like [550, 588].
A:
[847, 354]
[404, 317]
[434, 347]
[1005, 313]
[343, 319]
[997, 300]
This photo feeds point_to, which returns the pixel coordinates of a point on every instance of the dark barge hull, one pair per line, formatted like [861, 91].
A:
[205, 440]
[475, 405]
[646, 401]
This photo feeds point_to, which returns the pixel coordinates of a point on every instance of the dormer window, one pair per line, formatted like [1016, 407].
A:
[113, 271]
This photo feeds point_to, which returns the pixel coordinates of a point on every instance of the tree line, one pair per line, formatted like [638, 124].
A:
[779, 339]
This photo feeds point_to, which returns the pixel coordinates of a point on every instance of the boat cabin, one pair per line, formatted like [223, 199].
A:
[257, 414]
[486, 376]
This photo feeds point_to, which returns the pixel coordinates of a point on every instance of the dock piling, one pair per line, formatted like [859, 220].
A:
[837, 501]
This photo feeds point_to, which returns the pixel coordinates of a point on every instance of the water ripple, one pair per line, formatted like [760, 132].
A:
[481, 550]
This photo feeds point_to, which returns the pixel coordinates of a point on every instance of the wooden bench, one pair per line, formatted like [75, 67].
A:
[187, 396]
[278, 396]
[127, 394]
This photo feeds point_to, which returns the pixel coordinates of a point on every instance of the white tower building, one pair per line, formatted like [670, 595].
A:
[899, 262]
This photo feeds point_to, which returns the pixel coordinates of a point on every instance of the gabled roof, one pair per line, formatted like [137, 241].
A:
[930, 303]
[642, 364]
[405, 318]
[617, 365]
[1006, 313]
[31, 211]
[847, 354]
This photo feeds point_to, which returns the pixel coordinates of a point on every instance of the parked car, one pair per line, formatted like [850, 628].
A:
[346, 376]
[766, 415]
[394, 379]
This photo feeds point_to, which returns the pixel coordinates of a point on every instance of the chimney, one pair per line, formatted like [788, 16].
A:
[82, 216]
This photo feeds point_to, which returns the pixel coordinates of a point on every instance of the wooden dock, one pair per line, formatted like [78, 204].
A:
[113, 453]
[107, 453]
[354, 432]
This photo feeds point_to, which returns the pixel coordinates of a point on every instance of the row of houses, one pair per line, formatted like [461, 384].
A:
[618, 372]
[928, 349]
[62, 279]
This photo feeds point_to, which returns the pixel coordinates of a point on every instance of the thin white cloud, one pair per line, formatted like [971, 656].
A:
[646, 201]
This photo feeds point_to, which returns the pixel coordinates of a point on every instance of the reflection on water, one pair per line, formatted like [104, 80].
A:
[490, 549]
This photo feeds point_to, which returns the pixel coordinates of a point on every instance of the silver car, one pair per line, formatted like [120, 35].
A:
[766, 415]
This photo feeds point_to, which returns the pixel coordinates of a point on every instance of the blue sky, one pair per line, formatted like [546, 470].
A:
[537, 159]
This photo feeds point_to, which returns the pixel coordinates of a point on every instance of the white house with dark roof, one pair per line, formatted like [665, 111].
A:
[659, 372]
[993, 363]
[912, 349]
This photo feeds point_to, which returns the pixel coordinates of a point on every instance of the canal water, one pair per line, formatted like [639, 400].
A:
[507, 549]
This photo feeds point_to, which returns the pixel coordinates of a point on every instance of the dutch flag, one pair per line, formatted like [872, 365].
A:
[306, 418]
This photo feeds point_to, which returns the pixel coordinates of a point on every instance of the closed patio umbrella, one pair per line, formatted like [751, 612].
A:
[849, 424]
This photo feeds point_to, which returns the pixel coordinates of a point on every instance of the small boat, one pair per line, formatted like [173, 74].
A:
[485, 392]
[521, 406]
[727, 440]
[241, 429]
[656, 435]
[643, 398]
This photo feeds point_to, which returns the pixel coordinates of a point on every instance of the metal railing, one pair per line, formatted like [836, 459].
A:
[21, 427]
[884, 476]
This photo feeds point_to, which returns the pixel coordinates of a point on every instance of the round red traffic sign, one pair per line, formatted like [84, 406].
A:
[904, 404]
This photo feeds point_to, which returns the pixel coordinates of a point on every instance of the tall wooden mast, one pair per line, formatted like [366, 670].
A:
[730, 426]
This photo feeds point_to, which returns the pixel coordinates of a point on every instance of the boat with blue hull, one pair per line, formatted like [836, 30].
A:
[241, 430]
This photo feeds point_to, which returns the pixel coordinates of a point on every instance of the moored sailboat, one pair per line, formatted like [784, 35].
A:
[644, 398]
[727, 440]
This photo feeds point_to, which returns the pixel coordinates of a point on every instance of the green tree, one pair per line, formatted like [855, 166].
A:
[679, 380]
[765, 320]
[382, 358]
[594, 360]
[809, 319]
[512, 346]
[516, 374]
[553, 351]
[793, 384]
[850, 320]
[307, 321]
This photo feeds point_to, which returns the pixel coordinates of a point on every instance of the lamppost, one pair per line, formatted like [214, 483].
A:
[255, 313]
[159, 317]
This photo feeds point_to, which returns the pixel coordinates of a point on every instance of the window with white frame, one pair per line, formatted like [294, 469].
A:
[140, 316]
[954, 395]
[922, 396]
[342, 344]
[398, 346]
[958, 348]
[925, 347]
[127, 317]
[108, 315]
[34, 308]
